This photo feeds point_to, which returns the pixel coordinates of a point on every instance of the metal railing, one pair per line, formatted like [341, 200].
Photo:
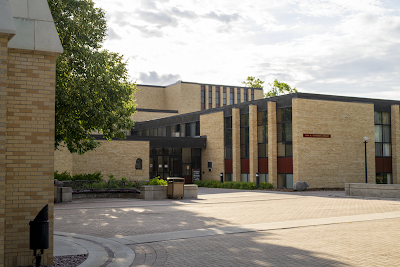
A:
[100, 186]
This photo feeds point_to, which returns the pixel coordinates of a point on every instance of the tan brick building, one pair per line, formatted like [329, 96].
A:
[298, 137]
[29, 46]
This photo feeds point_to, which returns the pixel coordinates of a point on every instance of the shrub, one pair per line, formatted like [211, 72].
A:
[265, 186]
[89, 176]
[232, 185]
[64, 176]
[157, 181]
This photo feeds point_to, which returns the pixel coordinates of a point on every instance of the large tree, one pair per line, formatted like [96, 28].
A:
[93, 93]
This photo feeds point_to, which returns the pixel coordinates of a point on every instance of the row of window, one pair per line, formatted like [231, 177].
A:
[224, 96]
[179, 130]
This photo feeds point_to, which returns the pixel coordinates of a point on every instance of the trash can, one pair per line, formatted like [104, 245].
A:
[175, 187]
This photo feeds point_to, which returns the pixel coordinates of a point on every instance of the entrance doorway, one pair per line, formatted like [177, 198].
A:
[165, 162]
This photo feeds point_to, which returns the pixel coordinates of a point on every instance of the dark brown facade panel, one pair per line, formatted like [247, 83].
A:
[228, 166]
[281, 165]
[289, 165]
[262, 165]
[245, 165]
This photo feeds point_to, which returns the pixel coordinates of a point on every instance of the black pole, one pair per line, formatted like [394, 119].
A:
[222, 177]
[366, 179]
[257, 180]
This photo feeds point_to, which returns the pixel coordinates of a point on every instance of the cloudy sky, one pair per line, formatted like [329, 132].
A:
[340, 47]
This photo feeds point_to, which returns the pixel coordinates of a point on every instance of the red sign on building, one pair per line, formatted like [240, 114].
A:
[317, 135]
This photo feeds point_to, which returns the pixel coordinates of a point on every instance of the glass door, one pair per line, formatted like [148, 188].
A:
[175, 166]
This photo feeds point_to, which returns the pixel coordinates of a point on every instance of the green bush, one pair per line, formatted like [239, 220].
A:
[233, 185]
[64, 176]
[157, 181]
[265, 186]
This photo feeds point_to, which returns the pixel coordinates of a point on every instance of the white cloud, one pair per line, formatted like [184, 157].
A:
[154, 78]
[326, 46]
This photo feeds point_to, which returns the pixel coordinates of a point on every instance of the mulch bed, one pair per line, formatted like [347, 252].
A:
[66, 261]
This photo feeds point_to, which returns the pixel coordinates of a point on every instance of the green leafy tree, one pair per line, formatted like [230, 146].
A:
[253, 82]
[92, 88]
[278, 88]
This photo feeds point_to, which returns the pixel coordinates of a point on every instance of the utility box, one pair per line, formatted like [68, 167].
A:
[176, 187]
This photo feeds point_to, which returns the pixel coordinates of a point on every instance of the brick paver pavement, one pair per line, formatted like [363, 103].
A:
[369, 243]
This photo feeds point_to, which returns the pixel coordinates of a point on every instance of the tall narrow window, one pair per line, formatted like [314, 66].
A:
[217, 99]
[244, 147]
[238, 95]
[383, 147]
[203, 97]
[262, 137]
[252, 94]
[224, 96]
[228, 148]
[285, 148]
[231, 97]
[209, 96]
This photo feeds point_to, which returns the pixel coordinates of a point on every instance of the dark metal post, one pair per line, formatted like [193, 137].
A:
[222, 177]
[366, 179]
[257, 180]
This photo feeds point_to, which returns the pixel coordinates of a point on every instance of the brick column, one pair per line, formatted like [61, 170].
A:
[236, 144]
[296, 135]
[272, 145]
[395, 125]
[29, 154]
[253, 143]
[3, 123]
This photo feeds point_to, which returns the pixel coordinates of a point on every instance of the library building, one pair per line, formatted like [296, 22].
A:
[200, 131]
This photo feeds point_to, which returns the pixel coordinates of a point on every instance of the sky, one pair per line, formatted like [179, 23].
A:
[336, 47]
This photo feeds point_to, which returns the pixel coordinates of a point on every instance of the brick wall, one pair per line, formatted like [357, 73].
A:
[212, 125]
[116, 157]
[332, 162]
[150, 97]
[29, 151]
[146, 116]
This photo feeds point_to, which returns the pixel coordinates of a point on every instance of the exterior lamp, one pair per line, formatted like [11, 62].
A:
[365, 144]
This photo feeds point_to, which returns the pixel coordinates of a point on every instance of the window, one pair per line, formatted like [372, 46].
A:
[228, 137]
[252, 94]
[203, 97]
[197, 128]
[244, 136]
[224, 96]
[383, 146]
[285, 148]
[217, 96]
[238, 95]
[209, 96]
[245, 95]
[187, 129]
[231, 97]
[284, 131]
[262, 133]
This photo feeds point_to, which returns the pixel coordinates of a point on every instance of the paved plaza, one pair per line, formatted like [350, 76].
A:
[226, 227]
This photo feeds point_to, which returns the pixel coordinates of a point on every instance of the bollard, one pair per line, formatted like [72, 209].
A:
[257, 180]
[222, 177]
